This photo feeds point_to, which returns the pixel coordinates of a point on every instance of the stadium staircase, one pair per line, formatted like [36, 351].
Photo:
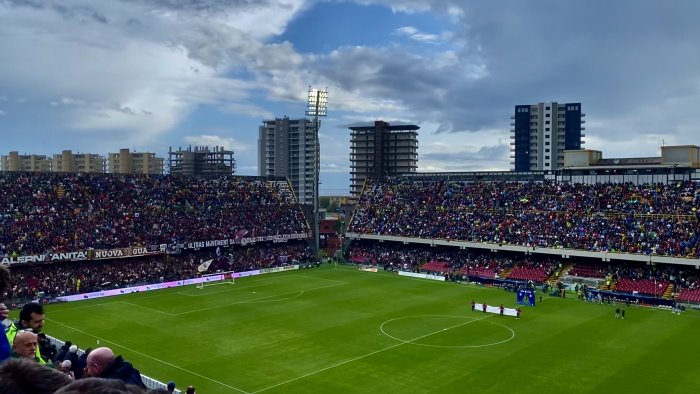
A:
[286, 189]
[668, 293]
[604, 286]
[505, 273]
[565, 268]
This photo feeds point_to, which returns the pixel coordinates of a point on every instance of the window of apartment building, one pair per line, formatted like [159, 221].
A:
[546, 157]
[547, 122]
[547, 108]
[546, 142]
[546, 129]
[547, 115]
[546, 151]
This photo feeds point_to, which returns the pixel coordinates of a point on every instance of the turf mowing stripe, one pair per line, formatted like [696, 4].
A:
[368, 354]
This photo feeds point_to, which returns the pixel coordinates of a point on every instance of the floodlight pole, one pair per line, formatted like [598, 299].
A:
[317, 105]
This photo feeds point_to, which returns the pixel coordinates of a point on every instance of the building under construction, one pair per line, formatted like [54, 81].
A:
[380, 150]
[201, 161]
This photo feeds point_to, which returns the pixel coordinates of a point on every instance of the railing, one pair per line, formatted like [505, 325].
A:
[151, 383]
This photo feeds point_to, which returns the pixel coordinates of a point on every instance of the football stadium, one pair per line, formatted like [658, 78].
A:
[443, 286]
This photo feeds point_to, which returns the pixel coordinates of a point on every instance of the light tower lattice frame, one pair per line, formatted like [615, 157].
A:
[317, 105]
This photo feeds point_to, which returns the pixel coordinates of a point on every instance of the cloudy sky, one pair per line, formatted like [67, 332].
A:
[96, 76]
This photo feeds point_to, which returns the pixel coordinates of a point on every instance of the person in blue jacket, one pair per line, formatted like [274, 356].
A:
[5, 348]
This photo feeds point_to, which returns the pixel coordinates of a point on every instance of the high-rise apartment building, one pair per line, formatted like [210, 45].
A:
[27, 163]
[542, 132]
[289, 147]
[381, 150]
[67, 161]
[126, 162]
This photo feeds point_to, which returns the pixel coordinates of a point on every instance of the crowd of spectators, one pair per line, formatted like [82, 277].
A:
[49, 213]
[443, 260]
[623, 276]
[47, 281]
[626, 218]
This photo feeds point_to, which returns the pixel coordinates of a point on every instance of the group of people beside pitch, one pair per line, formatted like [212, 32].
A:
[29, 364]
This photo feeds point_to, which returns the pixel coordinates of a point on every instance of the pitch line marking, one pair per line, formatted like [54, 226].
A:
[145, 307]
[363, 356]
[223, 291]
[251, 300]
[412, 341]
[299, 294]
[151, 357]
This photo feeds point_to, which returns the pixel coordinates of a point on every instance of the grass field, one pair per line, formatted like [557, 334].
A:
[340, 330]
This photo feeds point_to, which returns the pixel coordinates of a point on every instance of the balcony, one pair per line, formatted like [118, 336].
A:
[512, 117]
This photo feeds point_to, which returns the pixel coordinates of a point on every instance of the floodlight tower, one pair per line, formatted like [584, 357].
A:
[317, 106]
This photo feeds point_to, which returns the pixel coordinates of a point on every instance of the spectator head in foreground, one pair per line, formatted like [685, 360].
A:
[102, 363]
[24, 345]
[20, 376]
[190, 390]
[32, 316]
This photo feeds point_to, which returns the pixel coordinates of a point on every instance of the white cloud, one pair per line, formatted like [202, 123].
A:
[137, 67]
[414, 34]
[67, 101]
[2, 113]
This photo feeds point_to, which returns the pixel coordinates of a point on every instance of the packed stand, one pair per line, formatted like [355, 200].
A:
[626, 218]
[42, 213]
[621, 276]
[47, 281]
[451, 261]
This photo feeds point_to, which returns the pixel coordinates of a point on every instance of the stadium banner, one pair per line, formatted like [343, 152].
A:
[243, 241]
[279, 269]
[48, 257]
[496, 310]
[136, 251]
[422, 276]
[131, 251]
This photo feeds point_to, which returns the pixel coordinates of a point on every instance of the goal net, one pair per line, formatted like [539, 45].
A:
[219, 278]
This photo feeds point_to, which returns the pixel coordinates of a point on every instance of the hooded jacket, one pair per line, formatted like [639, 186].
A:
[124, 371]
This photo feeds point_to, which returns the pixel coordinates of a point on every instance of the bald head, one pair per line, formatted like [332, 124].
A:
[98, 360]
[25, 344]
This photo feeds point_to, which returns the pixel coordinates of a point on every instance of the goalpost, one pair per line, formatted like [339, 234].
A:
[219, 278]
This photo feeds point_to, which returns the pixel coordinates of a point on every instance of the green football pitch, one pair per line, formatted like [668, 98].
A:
[340, 330]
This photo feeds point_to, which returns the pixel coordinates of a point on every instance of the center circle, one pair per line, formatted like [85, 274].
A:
[447, 331]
